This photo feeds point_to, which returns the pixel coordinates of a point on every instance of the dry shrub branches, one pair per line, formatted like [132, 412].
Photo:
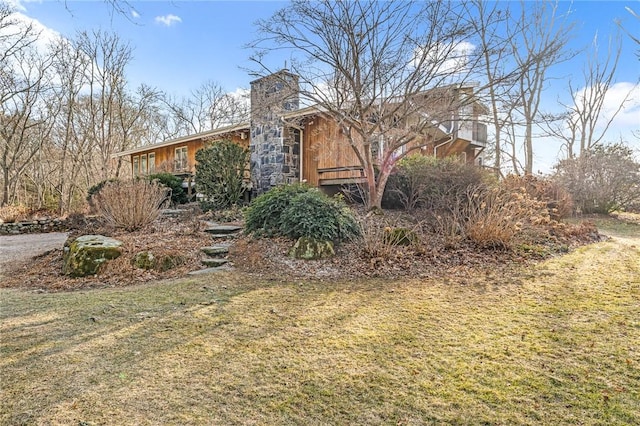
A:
[132, 204]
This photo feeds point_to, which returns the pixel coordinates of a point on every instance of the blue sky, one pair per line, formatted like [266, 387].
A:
[178, 45]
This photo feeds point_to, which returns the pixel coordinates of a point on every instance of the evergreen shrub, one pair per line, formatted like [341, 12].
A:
[298, 210]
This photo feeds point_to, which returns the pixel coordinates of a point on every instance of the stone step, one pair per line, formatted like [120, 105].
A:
[223, 229]
[215, 250]
[225, 267]
[223, 237]
[214, 263]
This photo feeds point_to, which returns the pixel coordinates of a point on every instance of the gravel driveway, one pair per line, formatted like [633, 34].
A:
[20, 248]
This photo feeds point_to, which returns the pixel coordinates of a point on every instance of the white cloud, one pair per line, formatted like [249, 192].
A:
[168, 20]
[134, 14]
[15, 5]
[45, 35]
[624, 93]
[445, 59]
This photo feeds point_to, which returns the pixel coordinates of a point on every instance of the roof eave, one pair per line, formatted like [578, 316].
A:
[185, 139]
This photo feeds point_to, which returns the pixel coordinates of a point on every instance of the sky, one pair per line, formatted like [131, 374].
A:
[178, 45]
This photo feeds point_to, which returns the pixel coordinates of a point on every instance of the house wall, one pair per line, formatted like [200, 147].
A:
[325, 146]
[165, 156]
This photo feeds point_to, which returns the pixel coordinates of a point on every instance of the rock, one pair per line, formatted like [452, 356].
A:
[213, 263]
[223, 229]
[215, 250]
[310, 249]
[169, 262]
[145, 260]
[224, 267]
[86, 254]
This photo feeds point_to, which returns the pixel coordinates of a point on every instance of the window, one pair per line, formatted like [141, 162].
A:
[152, 162]
[143, 164]
[181, 159]
[136, 165]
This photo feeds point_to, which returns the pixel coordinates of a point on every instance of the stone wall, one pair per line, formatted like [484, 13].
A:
[34, 226]
[275, 148]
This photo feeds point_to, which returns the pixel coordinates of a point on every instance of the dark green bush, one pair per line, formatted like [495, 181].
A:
[97, 187]
[298, 211]
[178, 194]
[263, 216]
[220, 174]
[313, 214]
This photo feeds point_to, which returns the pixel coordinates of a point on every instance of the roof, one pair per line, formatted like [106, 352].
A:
[202, 135]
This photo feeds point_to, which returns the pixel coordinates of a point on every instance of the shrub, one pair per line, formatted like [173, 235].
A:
[557, 199]
[298, 211]
[97, 187]
[312, 214]
[421, 181]
[132, 204]
[263, 215]
[173, 182]
[496, 215]
[400, 236]
[13, 213]
[94, 190]
[603, 180]
[220, 173]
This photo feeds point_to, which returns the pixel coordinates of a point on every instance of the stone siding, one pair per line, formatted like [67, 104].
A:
[275, 148]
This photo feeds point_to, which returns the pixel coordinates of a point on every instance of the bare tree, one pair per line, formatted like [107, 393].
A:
[584, 125]
[491, 22]
[70, 145]
[373, 67]
[538, 42]
[208, 107]
[112, 111]
[635, 38]
[25, 85]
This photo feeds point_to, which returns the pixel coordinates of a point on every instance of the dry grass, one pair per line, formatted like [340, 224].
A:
[558, 344]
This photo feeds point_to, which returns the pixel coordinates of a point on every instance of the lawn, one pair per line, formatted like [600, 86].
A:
[556, 343]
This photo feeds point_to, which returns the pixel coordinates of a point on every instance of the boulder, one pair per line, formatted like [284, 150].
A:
[144, 260]
[86, 254]
[164, 262]
[310, 249]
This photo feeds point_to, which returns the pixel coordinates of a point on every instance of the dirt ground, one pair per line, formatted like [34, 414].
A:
[16, 249]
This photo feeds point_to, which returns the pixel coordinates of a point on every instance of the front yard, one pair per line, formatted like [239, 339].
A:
[556, 343]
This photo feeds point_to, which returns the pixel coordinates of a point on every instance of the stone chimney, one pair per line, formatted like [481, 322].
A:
[275, 148]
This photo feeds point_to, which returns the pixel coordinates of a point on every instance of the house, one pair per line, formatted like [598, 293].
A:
[291, 144]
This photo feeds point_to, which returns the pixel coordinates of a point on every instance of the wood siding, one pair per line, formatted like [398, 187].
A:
[165, 157]
[325, 147]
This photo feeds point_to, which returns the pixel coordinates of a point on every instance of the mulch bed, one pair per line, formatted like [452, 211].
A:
[267, 258]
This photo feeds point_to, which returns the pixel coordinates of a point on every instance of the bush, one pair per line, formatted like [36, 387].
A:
[557, 199]
[13, 213]
[421, 181]
[97, 187]
[496, 215]
[220, 173]
[312, 214]
[263, 215]
[296, 211]
[603, 180]
[132, 204]
[173, 182]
